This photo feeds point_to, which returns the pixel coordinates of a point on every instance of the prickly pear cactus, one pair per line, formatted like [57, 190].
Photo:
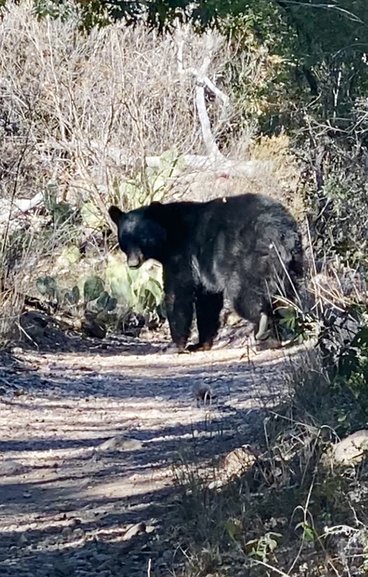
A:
[105, 302]
[93, 288]
[91, 216]
[47, 286]
[73, 296]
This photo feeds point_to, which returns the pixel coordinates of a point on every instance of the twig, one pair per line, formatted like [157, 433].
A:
[268, 566]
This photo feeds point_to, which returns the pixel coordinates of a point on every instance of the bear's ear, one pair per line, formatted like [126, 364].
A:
[115, 214]
[154, 209]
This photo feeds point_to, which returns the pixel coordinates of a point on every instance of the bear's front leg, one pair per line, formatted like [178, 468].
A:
[179, 310]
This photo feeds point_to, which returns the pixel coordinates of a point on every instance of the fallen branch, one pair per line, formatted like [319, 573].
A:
[11, 208]
[217, 163]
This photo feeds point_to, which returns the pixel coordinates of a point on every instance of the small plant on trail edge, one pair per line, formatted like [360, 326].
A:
[292, 323]
[139, 290]
[263, 547]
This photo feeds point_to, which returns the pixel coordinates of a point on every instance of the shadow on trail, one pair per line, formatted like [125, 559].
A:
[135, 381]
[82, 524]
[67, 545]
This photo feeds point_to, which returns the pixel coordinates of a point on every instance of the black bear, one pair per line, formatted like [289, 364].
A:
[246, 248]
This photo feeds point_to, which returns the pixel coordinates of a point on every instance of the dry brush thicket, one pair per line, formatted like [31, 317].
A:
[83, 111]
[86, 107]
[84, 116]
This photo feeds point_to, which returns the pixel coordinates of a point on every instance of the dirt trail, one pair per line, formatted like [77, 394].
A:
[87, 444]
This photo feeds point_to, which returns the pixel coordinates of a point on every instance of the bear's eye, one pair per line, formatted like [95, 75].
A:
[125, 243]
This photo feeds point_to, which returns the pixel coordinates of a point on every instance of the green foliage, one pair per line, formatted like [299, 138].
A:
[350, 382]
[53, 9]
[339, 211]
[91, 216]
[263, 547]
[60, 212]
[105, 302]
[311, 61]
[336, 394]
[73, 296]
[71, 254]
[308, 532]
[139, 289]
[293, 323]
[93, 288]
[353, 361]
[150, 184]
[123, 298]
[47, 286]
[93, 293]
[97, 309]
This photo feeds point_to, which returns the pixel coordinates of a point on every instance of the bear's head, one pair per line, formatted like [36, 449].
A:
[140, 236]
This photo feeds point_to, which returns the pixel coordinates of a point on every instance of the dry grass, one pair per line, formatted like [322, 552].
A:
[94, 105]
[87, 110]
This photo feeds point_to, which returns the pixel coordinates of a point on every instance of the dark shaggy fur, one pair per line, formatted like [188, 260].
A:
[245, 248]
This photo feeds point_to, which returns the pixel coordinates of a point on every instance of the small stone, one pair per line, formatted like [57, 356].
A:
[134, 530]
[22, 540]
[10, 467]
[78, 533]
[351, 450]
[121, 442]
[17, 351]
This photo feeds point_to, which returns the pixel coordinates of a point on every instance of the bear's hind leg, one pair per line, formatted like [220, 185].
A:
[263, 330]
[252, 307]
[208, 309]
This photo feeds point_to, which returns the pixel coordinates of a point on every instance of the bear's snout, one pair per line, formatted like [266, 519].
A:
[135, 260]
